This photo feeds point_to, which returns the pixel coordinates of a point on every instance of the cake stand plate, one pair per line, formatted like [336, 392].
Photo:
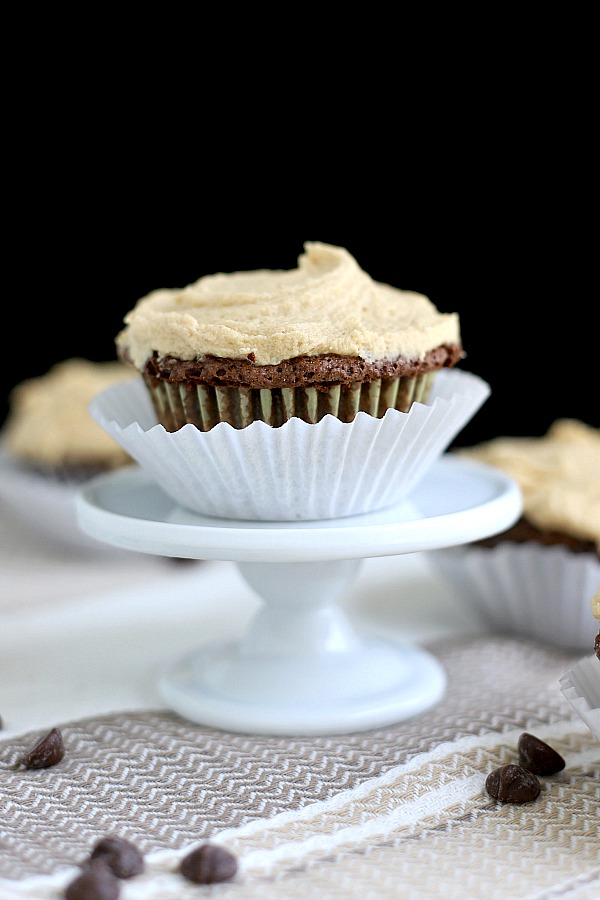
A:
[302, 667]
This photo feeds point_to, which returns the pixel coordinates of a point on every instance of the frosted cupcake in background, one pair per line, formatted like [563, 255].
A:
[536, 578]
[51, 445]
[309, 393]
[49, 428]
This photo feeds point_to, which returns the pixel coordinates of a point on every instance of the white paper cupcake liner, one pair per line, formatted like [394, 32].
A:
[581, 686]
[526, 589]
[299, 471]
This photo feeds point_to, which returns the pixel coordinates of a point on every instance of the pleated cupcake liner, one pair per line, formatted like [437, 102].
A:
[581, 686]
[527, 590]
[206, 406]
[298, 471]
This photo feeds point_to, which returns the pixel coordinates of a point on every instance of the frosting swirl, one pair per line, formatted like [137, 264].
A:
[326, 305]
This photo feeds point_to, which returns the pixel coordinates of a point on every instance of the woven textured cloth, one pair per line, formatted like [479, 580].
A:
[400, 811]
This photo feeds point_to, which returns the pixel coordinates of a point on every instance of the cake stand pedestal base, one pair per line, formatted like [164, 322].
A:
[302, 668]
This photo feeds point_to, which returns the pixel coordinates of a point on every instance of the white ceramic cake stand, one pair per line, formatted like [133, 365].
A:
[302, 667]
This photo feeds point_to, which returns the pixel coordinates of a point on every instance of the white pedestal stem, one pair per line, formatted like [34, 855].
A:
[300, 616]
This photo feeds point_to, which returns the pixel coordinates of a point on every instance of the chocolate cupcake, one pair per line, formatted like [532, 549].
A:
[49, 429]
[322, 339]
[535, 579]
[289, 395]
[51, 445]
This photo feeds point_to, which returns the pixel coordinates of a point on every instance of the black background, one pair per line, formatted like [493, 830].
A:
[527, 314]
[114, 189]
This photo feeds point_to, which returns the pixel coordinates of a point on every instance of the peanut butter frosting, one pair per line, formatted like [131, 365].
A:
[557, 474]
[328, 305]
[49, 423]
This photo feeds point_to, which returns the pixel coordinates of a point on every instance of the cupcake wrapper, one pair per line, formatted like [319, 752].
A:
[526, 589]
[581, 686]
[206, 406]
[298, 471]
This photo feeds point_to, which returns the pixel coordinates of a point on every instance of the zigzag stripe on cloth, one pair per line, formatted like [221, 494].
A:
[396, 812]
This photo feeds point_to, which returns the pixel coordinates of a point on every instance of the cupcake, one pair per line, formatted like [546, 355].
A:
[321, 339]
[596, 614]
[536, 578]
[51, 445]
[558, 476]
[284, 395]
[49, 429]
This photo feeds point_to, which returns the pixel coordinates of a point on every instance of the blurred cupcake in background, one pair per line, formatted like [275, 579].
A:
[596, 614]
[535, 579]
[581, 683]
[49, 428]
[50, 445]
[303, 394]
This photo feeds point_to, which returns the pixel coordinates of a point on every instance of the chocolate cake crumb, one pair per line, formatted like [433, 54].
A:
[306, 371]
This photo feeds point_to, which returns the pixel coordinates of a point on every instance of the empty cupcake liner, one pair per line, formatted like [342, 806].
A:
[581, 686]
[525, 589]
[299, 471]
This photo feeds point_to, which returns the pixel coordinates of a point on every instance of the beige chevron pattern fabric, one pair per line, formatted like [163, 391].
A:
[396, 812]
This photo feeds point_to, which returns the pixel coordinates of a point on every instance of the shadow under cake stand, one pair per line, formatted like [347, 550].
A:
[302, 667]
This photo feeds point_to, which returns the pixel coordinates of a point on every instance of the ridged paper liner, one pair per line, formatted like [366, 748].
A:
[298, 471]
[206, 406]
[581, 686]
[526, 589]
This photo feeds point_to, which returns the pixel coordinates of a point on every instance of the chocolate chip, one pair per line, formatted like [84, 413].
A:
[48, 751]
[96, 882]
[208, 864]
[513, 784]
[537, 756]
[120, 855]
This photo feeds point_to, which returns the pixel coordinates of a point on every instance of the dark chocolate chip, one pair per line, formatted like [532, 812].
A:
[208, 864]
[48, 751]
[120, 855]
[96, 882]
[537, 756]
[513, 784]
